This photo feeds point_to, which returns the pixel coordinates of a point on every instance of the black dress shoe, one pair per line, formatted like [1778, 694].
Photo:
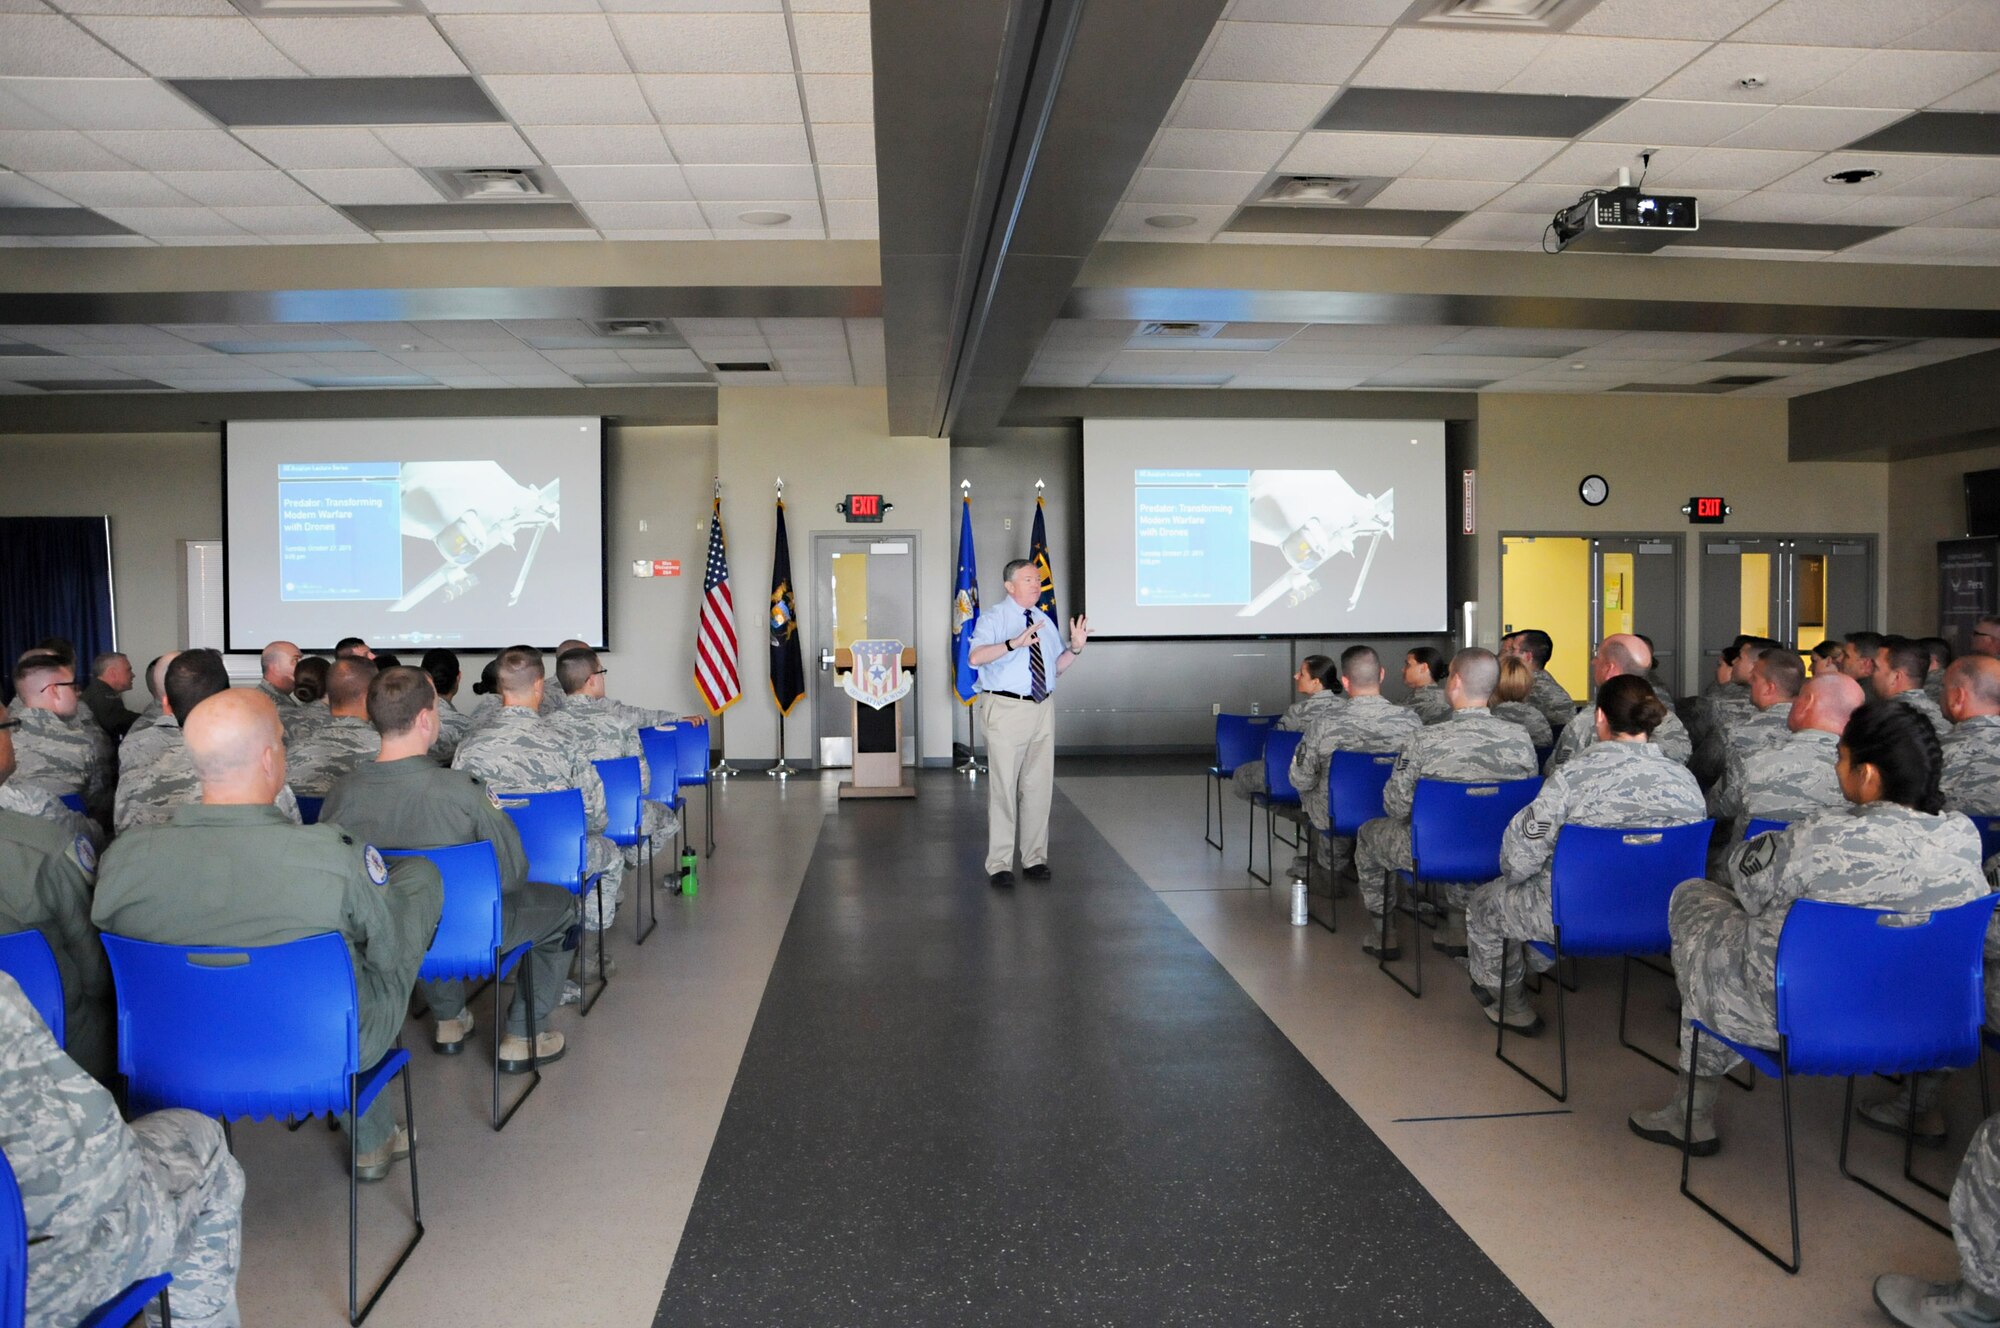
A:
[1038, 872]
[1003, 879]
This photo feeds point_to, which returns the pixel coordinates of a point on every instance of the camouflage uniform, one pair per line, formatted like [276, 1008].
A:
[46, 875]
[1553, 700]
[151, 715]
[1626, 785]
[1298, 718]
[1787, 782]
[1721, 714]
[1918, 700]
[1472, 747]
[158, 775]
[1934, 688]
[1362, 724]
[602, 730]
[296, 717]
[1971, 778]
[324, 756]
[1670, 737]
[36, 801]
[1975, 1210]
[1758, 731]
[109, 1204]
[1529, 718]
[61, 755]
[1883, 855]
[453, 725]
[516, 751]
[1429, 702]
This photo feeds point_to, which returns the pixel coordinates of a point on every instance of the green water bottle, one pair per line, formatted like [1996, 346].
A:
[689, 884]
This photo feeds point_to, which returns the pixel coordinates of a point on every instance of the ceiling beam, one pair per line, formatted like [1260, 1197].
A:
[1948, 407]
[190, 412]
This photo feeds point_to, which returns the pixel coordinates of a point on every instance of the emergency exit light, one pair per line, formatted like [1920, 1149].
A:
[1705, 511]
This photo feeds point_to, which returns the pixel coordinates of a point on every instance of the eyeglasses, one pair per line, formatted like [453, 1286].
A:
[1990, 636]
[6, 724]
[598, 673]
[71, 683]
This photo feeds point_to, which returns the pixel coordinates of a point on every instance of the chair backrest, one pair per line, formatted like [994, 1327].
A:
[1542, 755]
[692, 739]
[1455, 828]
[13, 1250]
[1611, 886]
[470, 928]
[26, 957]
[309, 808]
[663, 756]
[1866, 990]
[73, 801]
[1279, 747]
[620, 776]
[1240, 738]
[553, 828]
[1354, 784]
[231, 1031]
[1760, 825]
[1989, 835]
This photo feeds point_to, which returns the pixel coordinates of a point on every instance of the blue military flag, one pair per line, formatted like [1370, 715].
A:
[1038, 554]
[788, 667]
[965, 607]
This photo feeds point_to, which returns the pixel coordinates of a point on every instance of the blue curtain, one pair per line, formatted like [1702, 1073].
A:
[55, 580]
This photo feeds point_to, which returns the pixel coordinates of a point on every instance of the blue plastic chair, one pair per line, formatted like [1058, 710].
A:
[309, 809]
[663, 756]
[1989, 835]
[26, 957]
[692, 740]
[1278, 798]
[73, 801]
[258, 1031]
[553, 830]
[1610, 889]
[1864, 991]
[1762, 825]
[1238, 738]
[1354, 784]
[625, 826]
[114, 1313]
[1455, 831]
[468, 945]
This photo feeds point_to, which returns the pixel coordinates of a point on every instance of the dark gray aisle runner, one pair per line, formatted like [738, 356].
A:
[961, 1105]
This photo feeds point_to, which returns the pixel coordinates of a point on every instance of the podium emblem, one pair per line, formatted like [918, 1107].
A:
[877, 678]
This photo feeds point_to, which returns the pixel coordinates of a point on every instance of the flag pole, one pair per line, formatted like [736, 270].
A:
[721, 769]
[969, 767]
[783, 769]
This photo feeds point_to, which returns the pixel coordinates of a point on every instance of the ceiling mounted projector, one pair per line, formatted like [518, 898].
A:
[1624, 221]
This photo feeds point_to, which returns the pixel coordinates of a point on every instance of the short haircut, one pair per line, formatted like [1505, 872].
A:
[347, 645]
[518, 669]
[1361, 665]
[33, 663]
[309, 679]
[1621, 654]
[103, 660]
[1977, 676]
[1903, 748]
[574, 669]
[1477, 672]
[347, 681]
[1783, 670]
[1825, 649]
[1865, 642]
[1433, 659]
[442, 665]
[573, 643]
[1013, 567]
[387, 659]
[1517, 676]
[1539, 645]
[1902, 655]
[60, 646]
[192, 677]
[1630, 705]
[156, 678]
[1940, 650]
[271, 655]
[396, 696]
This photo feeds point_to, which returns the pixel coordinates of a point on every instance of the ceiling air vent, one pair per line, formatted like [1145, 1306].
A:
[1323, 190]
[492, 184]
[1812, 350]
[632, 327]
[1506, 15]
[1179, 331]
[318, 8]
[741, 366]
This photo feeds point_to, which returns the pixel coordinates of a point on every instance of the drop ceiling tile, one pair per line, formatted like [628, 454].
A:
[1867, 23]
[1767, 205]
[744, 145]
[833, 43]
[377, 46]
[1502, 159]
[569, 99]
[316, 219]
[1968, 177]
[1447, 195]
[1502, 226]
[714, 6]
[847, 182]
[265, 188]
[165, 222]
[1286, 52]
[179, 149]
[101, 189]
[186, 8]
[49, 44]
[193, 47]
[1725, 168]
[1355, 154]
[458, 145]
[1534, 198]
[1128, 222]
[1912, 242]
[840, 98]
[1152, 185]
[1898, 170]
[1970, 27]
[399, 184]
[20, 191]
[512, 6]
[1452, 59]
[329, 149]
[600, 145]
[851, 215]
[726, 216]
[1710, 20]
[807, 6]
[1603, 66]
[1217, 150]
[105, 103]
[1981, 96]
[705, 43]
[723, 99]
[1908, 79]
[1985, 214]
[1811, 128]
[1598, 163]
[645, 216]
[845, 144]
[535, 44]
[625, 184]
[1892, 210]
[1214, 105]
[55, 150]
[1788, 72]
[1659, 122]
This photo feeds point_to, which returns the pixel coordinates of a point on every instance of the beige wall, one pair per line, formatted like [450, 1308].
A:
[1926, 504]
[826, 443]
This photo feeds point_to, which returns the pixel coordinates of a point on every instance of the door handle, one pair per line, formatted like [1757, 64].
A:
[825, 660]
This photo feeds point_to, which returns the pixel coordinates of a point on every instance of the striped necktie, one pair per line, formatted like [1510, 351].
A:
[1038, 675]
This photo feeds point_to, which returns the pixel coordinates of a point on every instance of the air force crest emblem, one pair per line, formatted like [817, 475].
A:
[877, 678]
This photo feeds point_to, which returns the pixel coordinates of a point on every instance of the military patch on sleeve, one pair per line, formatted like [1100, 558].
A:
[1536, 828]
[378, 870]
[84, 855]
[1760, 854]
[493, 798]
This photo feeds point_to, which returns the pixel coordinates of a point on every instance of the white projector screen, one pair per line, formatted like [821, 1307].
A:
[1264, 527]
[467, 533]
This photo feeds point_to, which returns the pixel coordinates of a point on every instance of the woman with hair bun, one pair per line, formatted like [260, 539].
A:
[1621, 781]
[1890, 845]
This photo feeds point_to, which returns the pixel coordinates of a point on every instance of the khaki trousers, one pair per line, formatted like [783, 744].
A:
[1021, 765]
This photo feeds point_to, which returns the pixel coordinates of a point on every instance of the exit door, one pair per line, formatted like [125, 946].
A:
[863, 590]
[1800, 590]
[1582, 588]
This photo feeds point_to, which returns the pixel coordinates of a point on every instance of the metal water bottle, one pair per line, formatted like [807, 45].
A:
[1299, 914]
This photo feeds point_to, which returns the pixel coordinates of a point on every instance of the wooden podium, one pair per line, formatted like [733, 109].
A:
[878, 738]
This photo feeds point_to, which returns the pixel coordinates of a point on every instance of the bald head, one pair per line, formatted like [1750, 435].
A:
[1622, 653]
[156, 675]
[238, 747]
[1825, 703]
[1474, 675]
[347, 686]
[1972, 688]
[280, 662]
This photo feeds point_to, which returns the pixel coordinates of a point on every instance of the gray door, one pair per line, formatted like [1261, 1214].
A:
[1636, 587]
[1730, 565]
[864, 589]
[1796, 589]
[1830, 589]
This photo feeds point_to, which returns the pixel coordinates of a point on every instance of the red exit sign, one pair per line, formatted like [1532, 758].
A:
[1705, 511]
[864, 507]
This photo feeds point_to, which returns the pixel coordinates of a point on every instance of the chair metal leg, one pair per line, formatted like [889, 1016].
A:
[1250, 858]
[708, 812]
[527, 981]
[1562, 1032]
[1332, 922]
[646, 895]
[1391, 907]
[1791, 1171]
[166, 1310]
[1909, 1162]
[1212, 837]
[1624, 1003]
[585, 1006]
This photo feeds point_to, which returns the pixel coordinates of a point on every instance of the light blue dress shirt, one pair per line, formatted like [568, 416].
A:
[1010, 672]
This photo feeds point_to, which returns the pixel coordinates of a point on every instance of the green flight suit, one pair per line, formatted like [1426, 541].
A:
[46, 872]
[414, 803]
[243, 875]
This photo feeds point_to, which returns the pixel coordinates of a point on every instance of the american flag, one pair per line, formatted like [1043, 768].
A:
[715, 639]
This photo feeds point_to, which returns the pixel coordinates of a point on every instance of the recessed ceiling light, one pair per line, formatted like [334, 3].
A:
[764, 217]
[1170, 221]
[1750, 81]
[1576, 366]
[1855, 176]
